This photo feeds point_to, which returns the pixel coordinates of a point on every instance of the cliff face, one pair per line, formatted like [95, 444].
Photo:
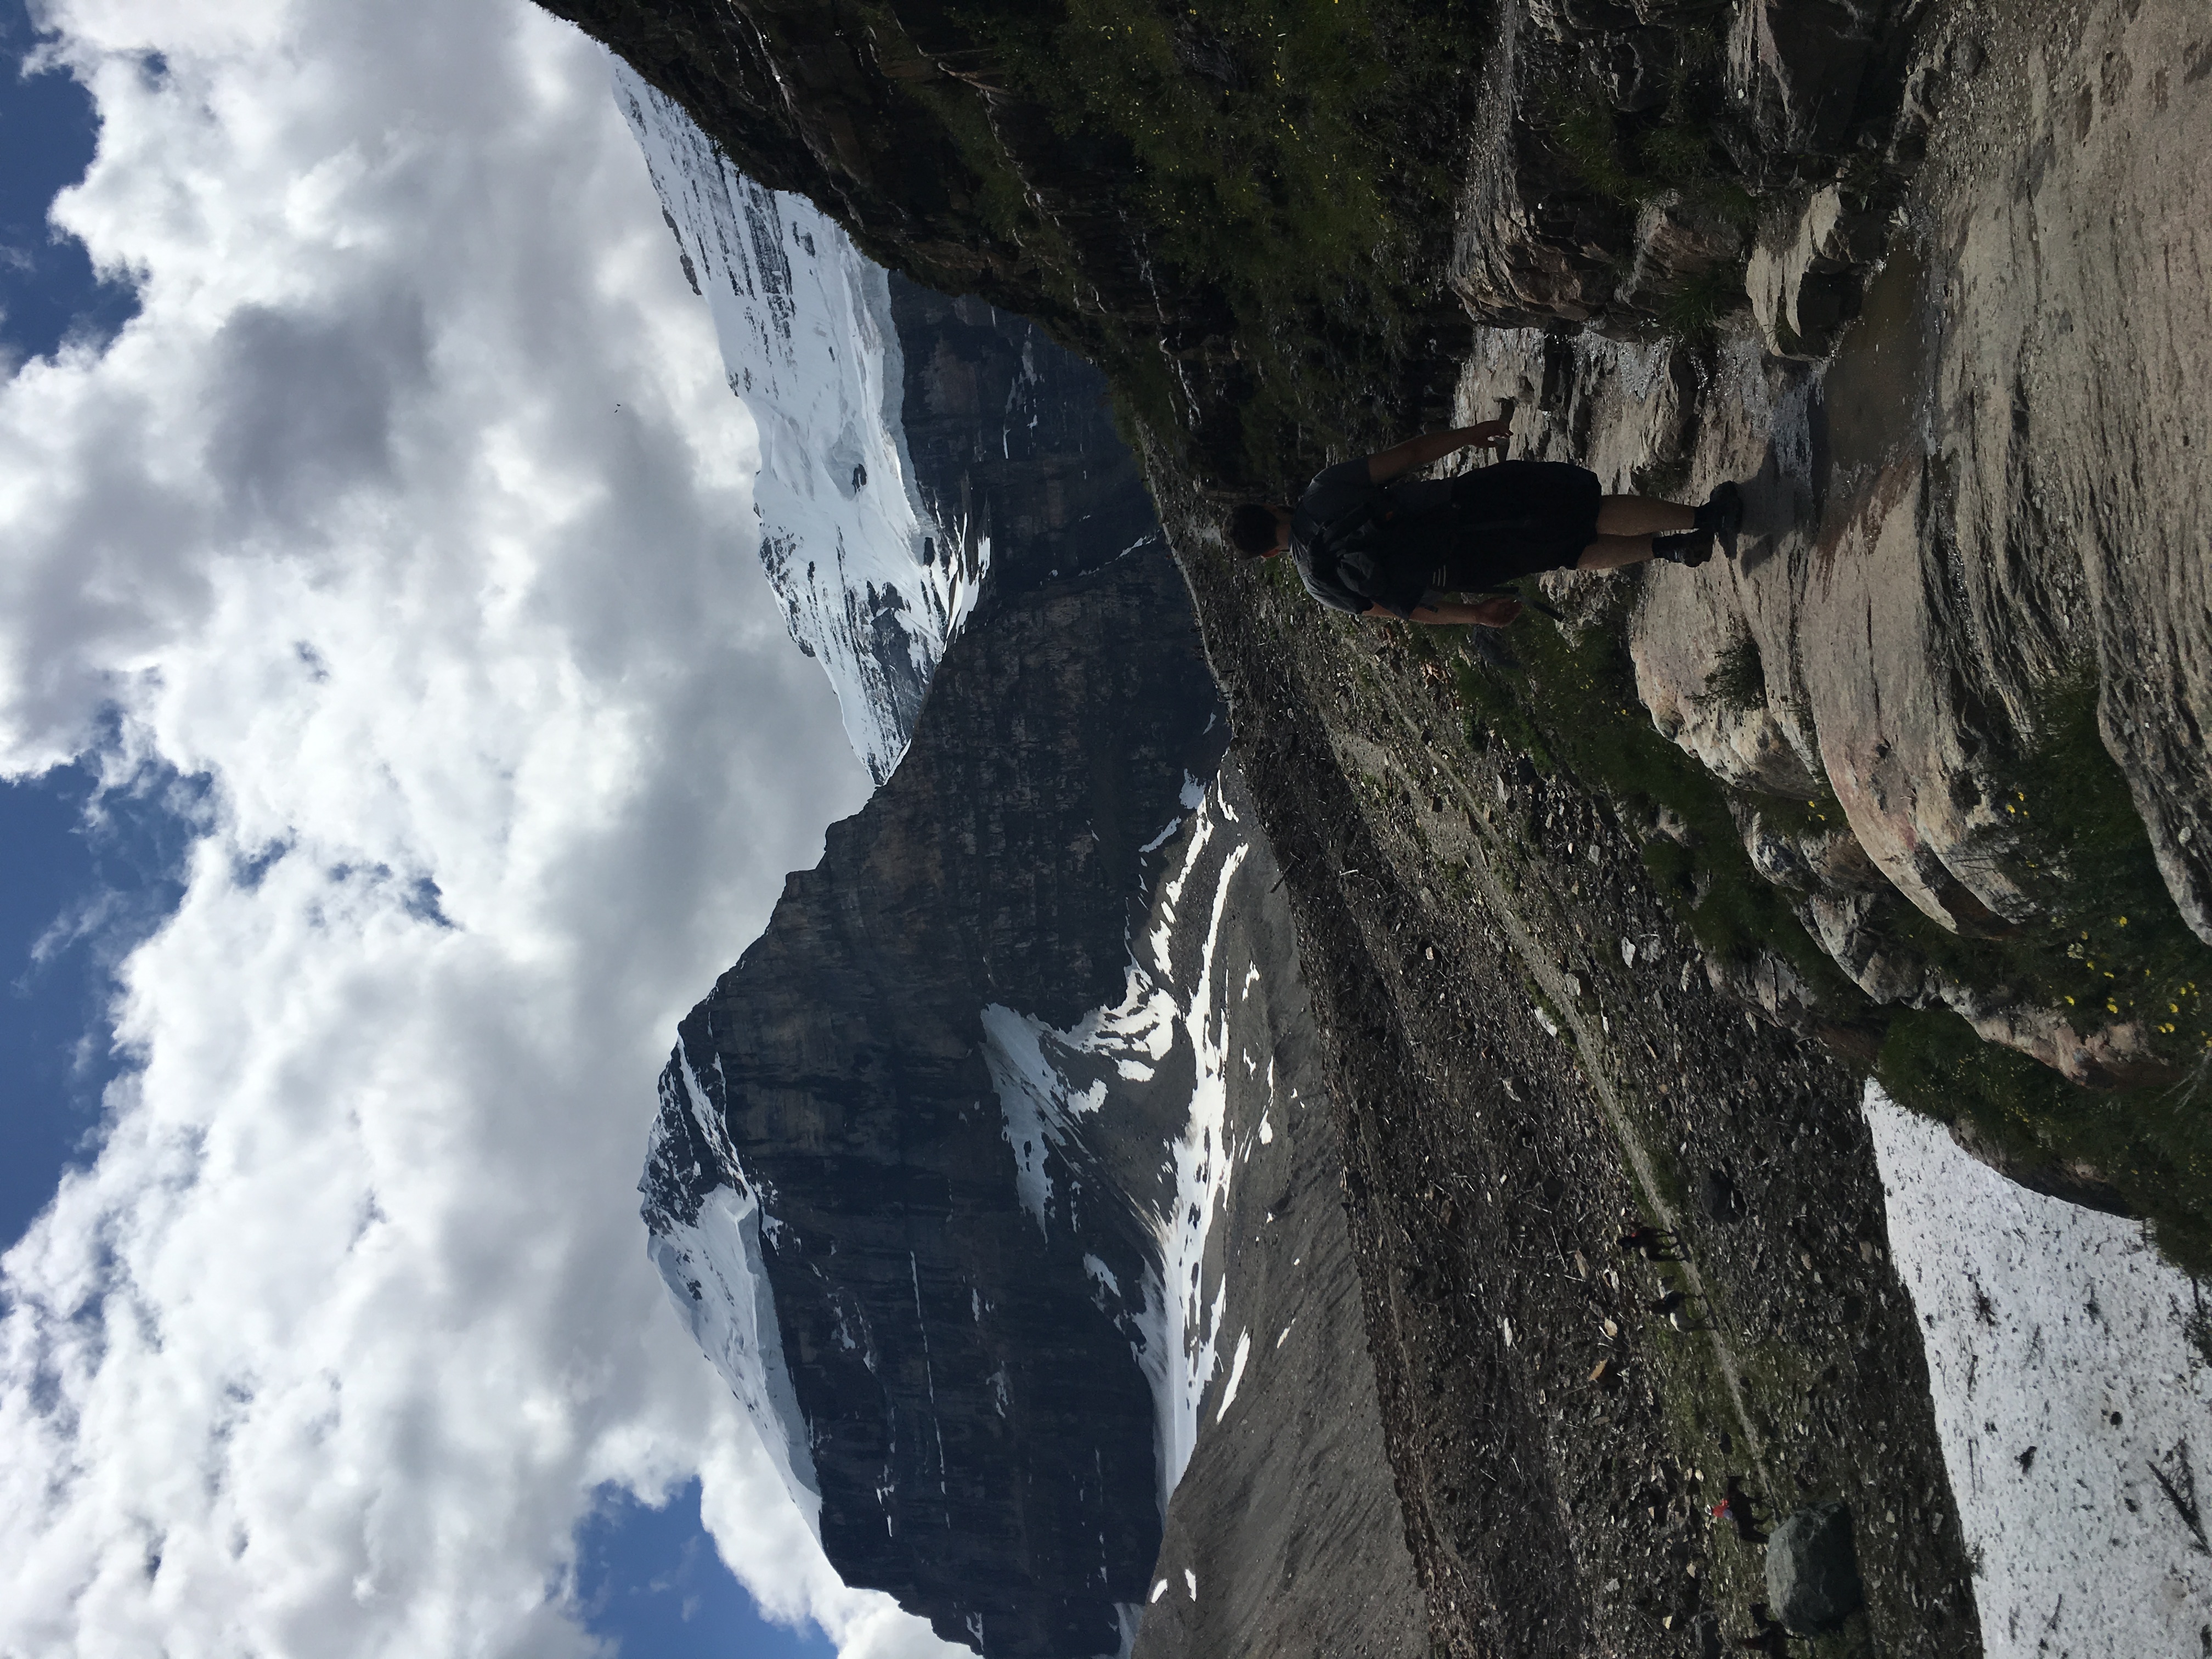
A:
[1013, 443]
[913, 447]
[981, 1433]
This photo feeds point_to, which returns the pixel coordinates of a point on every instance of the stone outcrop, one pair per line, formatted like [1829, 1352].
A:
[1613, 153]
[1937, 533]
[1795, 68]
[1812, 1570]
[1809, 269]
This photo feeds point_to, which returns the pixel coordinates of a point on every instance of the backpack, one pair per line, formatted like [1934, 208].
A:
[1353, 549]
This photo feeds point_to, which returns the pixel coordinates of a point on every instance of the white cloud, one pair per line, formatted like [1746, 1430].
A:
[507, 754]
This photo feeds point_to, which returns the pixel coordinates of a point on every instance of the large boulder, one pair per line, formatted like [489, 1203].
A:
[1813, 1569]
[1806, 274]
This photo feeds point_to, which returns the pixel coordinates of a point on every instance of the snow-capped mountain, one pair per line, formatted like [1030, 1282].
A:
[949, 1168]
[970, 1111]
[915, 449]
[872, 588]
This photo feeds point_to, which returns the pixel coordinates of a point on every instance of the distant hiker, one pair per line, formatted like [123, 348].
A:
[1738, 1509]
[1652, 1243]
[1370, 541]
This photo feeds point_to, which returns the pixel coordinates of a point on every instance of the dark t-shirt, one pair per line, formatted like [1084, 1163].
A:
[1421, 511]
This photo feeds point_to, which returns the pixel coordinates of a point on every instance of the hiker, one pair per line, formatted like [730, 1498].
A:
[1368, 544]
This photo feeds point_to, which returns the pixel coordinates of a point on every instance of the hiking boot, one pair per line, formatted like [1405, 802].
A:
[1688, 547]
[1723, 515]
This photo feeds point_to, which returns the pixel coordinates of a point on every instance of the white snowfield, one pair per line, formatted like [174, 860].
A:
[2076, 1414]
[871, 587]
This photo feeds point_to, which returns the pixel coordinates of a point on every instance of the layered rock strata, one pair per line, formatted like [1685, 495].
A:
[981, 1435]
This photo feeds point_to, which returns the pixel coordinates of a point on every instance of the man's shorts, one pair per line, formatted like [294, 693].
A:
[1516, 519]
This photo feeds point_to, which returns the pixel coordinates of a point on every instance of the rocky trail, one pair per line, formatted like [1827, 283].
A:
[1995, 483]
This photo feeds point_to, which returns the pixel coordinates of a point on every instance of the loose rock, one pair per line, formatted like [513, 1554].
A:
[1813, 1569]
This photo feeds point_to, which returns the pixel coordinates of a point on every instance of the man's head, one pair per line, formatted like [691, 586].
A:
[1257, 531]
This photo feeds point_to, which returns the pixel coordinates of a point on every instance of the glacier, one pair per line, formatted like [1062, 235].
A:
[871, 587]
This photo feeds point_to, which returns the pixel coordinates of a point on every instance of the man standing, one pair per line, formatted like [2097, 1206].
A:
[1371, 542]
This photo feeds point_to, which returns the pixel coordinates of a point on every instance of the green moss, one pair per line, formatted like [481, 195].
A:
[2154, 1146]
[1572, 692]
[2109, 947]
[1738, 680]
[2087, 857]
[1491, 709]
[1290, 159]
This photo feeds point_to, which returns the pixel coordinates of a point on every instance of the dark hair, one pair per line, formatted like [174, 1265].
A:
[1251, 530]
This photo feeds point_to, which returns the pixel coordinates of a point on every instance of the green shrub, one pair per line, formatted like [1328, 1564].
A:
[1574, 691]
[1738, 680]
[1295, 158]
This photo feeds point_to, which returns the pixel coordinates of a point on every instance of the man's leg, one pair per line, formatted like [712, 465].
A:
[1614, 552]
[1623, 516]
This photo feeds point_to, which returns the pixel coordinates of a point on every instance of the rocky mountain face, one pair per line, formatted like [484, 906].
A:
[981, 1435]
[994, 1177]
[1013, 443]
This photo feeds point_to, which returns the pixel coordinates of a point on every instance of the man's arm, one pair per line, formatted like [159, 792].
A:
[1387, 464]
[1485, 613]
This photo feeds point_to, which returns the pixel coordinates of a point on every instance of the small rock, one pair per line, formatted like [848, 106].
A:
[1812, 1571]
[1628, 953]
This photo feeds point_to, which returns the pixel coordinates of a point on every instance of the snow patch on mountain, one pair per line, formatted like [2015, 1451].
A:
[871, 587]
[1051, 1083]
[712, 1267]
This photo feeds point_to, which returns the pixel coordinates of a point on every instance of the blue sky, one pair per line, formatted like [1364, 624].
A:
[345, 583]
[85, 895]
